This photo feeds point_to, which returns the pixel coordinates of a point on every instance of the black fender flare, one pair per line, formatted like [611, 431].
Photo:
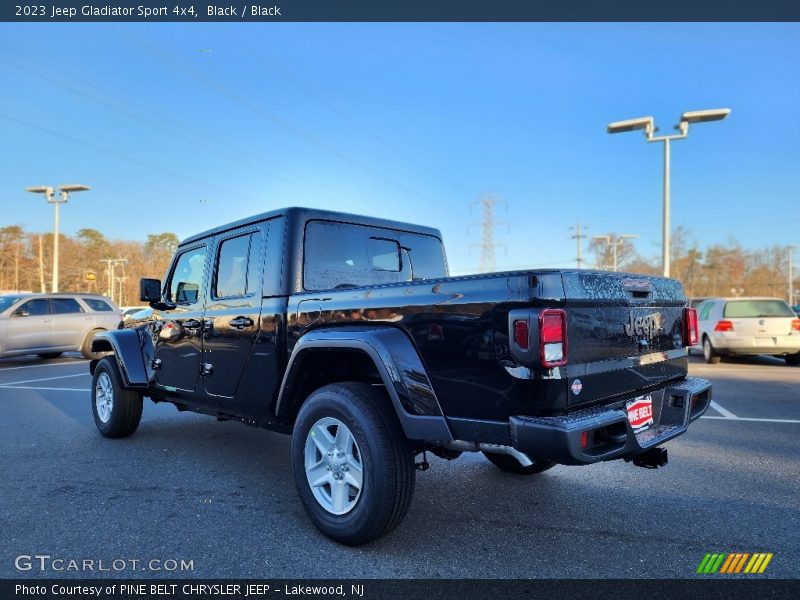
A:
[399, 365]
[127, 348]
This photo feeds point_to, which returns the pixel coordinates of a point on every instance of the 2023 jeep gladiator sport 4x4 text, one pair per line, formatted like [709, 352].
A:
[347, 332]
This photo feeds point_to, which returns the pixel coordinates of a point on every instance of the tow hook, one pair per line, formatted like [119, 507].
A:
[651, 459]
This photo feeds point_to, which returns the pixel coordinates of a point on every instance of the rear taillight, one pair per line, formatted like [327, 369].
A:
[553, 337]
[724, 326]
[689, 327]
[521, 334]
[795, 324]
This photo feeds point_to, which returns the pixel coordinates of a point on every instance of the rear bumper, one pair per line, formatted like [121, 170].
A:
[609, 433]
[777, 344]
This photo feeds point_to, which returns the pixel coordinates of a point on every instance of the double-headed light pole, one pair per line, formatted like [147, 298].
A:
[646, 123]
[617, 243]
[64, 192]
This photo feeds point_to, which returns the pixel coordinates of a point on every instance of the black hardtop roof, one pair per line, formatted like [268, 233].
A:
[309, 214]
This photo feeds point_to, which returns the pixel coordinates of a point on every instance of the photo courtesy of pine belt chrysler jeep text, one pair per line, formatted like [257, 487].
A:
[347, 332]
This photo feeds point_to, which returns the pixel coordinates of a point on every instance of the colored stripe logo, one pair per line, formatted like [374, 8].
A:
[734, 563]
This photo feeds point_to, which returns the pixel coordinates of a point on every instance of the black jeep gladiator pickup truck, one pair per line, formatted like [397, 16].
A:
[347, 332]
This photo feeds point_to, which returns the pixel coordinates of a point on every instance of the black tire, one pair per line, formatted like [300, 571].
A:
[509, 464]
[792, 360]
[125, 410]
[86, 346]
[709, 354]
[385, 456]
[50, 355]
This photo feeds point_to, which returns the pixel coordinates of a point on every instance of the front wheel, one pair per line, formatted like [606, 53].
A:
[792, 359]
[509, 464]
[709, 354]
[117, 411]
[353, 467]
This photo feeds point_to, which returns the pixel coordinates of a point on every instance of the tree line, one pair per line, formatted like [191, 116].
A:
[26, 262]
[726, 269]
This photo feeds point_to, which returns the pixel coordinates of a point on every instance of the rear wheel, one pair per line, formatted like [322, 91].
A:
[792, 359]
[117, 411]
[509, 464]
[709, 354]
[86, 347]
[49, 355]
[353, 467]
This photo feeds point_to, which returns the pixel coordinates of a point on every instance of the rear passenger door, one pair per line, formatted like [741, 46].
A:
[70, 323]
[30, 326]
[233, 314]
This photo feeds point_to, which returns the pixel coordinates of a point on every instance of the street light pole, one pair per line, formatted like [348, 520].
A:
[64, 191]
[647, 124]
[791, 276]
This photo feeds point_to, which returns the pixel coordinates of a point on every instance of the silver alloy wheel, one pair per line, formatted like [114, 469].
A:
[333, 466]
[104, 397]
[706, 349]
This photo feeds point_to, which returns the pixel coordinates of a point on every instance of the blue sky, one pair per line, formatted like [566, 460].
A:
[179, 128]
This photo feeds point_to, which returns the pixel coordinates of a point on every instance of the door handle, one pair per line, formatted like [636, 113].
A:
[241, 322]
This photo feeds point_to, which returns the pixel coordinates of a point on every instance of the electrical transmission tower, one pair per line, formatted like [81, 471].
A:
[579, 236]
[487, 224]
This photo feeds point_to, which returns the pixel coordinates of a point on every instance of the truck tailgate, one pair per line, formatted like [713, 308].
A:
[625, 334]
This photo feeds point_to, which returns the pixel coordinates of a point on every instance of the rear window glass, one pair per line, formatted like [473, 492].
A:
[63, 306]
[757, 308]
[341, 255]
[238, 266]
[98, 305]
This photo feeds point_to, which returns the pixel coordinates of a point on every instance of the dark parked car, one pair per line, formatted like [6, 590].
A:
[347, 332]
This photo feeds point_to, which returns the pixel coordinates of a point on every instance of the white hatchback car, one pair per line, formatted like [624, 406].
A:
[739, 326]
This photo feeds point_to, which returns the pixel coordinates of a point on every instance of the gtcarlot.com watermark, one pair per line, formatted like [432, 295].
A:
[45, 563]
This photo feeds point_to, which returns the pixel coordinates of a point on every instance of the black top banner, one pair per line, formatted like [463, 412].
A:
[190, 11]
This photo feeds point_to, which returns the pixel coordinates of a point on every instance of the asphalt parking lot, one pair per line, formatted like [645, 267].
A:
[222, 495]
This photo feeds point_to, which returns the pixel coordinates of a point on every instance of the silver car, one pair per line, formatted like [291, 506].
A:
[50, 324]
[739, 326]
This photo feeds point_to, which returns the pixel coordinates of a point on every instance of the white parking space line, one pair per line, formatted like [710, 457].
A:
[795, 421]
[43, 365]
[42, 379]
[723, 411]
[52, 389]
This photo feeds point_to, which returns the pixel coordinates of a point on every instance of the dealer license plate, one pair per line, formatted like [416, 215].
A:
[640, 412]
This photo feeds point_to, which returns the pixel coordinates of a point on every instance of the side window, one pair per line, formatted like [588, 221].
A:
[187, 276]
[34, 308]
[705, 309]
[64, 306]
[341, 255]
[237, 271]
[98, 305]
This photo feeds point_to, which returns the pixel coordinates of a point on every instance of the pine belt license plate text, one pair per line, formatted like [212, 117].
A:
[640, 412]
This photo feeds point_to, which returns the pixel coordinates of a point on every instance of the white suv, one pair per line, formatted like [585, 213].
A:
[50, 324]
[740, 326]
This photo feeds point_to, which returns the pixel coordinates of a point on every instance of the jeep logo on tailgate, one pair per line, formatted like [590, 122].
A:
[647, 327]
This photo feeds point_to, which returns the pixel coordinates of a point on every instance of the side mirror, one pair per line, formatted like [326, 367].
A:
[149, 290]
[21, 312]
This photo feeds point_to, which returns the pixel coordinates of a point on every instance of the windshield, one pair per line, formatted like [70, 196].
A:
[6, 301]
[757, 308]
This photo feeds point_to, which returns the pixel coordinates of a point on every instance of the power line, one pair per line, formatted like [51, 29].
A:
[204, 140]
[343, 115]
[124, 157]
[257, 109]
